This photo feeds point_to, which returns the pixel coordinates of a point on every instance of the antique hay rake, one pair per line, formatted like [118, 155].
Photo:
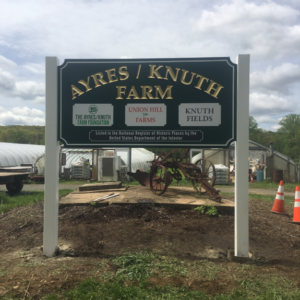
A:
[165, 167]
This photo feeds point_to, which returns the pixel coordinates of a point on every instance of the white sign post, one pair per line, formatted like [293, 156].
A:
[241, 209]
[51, 160]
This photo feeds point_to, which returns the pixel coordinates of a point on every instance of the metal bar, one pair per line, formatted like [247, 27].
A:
[106, 197]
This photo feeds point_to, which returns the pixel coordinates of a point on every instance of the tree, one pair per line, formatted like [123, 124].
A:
[290, 133]
[252, 123]
[254, 132]
[23, 134]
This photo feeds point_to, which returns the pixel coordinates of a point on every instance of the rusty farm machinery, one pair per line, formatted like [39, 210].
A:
[166, 167]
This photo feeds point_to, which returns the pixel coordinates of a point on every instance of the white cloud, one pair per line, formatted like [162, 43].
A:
[35, 68]
[270, 105]
[29, 90]
[22, 116]
[267, 119]
[274, 127]
[268, 30]
[267, 122]
[11, 86]
[187, 28]
[7, 81]
[264, 29]
[267, 127]
[39, 100]
[280, 79]
[7, 64]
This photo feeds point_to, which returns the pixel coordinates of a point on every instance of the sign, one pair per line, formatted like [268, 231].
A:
[148, 103]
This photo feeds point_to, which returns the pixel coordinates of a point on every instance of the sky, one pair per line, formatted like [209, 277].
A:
[269, 31]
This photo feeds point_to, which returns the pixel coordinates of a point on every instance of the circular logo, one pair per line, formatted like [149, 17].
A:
[93, 109]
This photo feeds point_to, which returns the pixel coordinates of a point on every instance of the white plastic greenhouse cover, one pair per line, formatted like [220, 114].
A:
[12, 154]
[73, 155]
[139, 158]
[208, 153]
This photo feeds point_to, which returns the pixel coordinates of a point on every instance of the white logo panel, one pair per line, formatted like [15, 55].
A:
[93, 115]
[137, 114]
[199, 114]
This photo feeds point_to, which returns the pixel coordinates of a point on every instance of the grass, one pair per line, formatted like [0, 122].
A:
[134, 266]
[75, 181]
[205, 269]
[7, 203]
[140, 266]
[93, 289]
[129, 281]
[288, 187]
[269, 198]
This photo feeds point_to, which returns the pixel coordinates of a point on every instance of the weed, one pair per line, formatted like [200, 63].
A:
[135, 266]
[139, 266]
[22, 225]
[208, 210]
[4, 273]
[206, 269]
[201, 209]
[248, 267]
[169, 266]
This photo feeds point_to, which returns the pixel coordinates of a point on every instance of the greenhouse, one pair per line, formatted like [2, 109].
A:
[12, 155]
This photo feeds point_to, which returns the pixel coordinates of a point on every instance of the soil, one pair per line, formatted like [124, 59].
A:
[88, 233]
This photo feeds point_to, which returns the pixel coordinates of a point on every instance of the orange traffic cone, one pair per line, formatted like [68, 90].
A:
[296, 218]
[278, 206]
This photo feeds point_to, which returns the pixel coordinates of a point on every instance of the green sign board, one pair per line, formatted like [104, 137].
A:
[187, 102]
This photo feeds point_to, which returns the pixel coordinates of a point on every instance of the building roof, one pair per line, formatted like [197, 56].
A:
[253, 146]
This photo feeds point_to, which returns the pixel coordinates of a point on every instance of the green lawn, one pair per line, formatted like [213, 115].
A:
[288, 187]
[270, 198]
[131, 271]
[7, 202]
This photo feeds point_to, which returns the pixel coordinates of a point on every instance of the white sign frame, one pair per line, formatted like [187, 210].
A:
[241, 229]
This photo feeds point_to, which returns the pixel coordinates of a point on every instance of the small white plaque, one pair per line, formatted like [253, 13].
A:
[137, 114]
[93, 115]
[199, 114]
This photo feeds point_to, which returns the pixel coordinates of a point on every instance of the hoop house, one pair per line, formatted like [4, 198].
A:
[12, 155]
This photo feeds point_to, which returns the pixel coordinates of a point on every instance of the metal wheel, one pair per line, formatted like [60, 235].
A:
[14, 187]
[160, 179]
[208, 172]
